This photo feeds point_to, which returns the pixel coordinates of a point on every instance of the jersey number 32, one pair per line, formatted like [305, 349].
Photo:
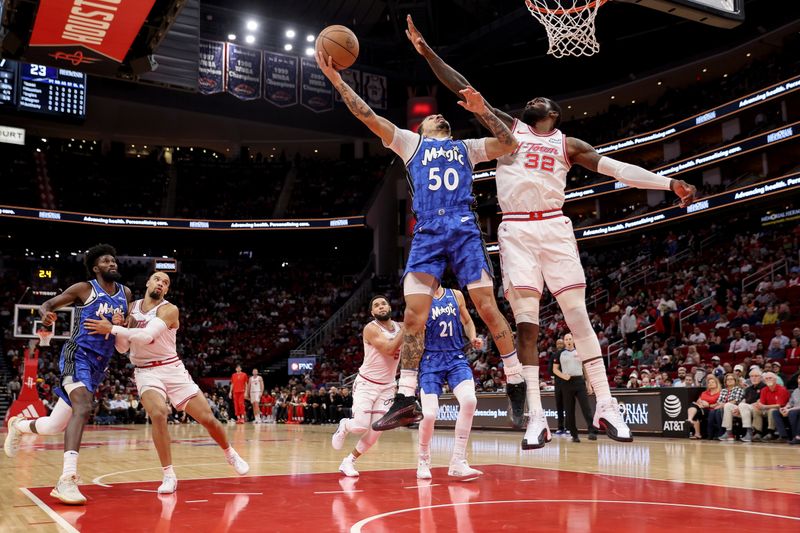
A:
[537, 162]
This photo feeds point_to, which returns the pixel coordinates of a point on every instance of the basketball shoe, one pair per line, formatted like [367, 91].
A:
[537, 434]
[67, 491]
[405, 410]
[516, 399]
[236, 461]
[337, 440]
[424, 467]
[607, 417]
[168, 485]
[348, 467]
[460, 468]
[11, 445]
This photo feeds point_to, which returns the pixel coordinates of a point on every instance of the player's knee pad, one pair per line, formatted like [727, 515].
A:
[419, 283]
[524, 304]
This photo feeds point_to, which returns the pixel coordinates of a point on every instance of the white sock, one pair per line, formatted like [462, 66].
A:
[430, 408]
[465, 394]
[350, 457]
[511, 368]
[23, 425]
[70, 463]
[168, 471]
[407, 385]
[533, 394]
[230, 453]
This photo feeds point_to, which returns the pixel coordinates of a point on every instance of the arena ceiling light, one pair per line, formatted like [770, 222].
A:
[288, 47]
[250, 39]
[251, 25]
[309, 51]
[310, 38]
[231, 36]
[290, 34]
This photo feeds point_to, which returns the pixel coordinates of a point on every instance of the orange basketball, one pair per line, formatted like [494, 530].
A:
[340, 43]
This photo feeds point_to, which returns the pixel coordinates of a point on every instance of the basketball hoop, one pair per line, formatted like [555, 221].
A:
[44, 336]
[569, 25]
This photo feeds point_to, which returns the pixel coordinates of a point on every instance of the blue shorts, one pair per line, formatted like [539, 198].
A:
[452, 239]
[455, 372]
[80, 365]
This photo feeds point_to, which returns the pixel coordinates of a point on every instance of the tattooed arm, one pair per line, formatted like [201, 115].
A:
[447, 75]
[377, 124]
[503, 141]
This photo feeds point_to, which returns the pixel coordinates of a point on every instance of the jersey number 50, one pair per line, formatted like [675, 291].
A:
[535, 161]
[450, 179]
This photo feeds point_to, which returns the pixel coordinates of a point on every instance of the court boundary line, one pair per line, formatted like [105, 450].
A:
[653, 479]
[49, 511]
[357, 527]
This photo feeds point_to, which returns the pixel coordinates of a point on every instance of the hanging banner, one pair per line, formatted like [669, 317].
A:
[211, 71]
[352, 78]
[280, 79]
[244, 72]
[374, 90]
[73, 33]
[316, 90]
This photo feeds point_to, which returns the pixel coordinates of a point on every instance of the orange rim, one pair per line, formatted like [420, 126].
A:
[563, 11]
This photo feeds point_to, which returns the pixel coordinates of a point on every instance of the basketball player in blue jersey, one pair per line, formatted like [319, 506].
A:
[447, 233]
[448, 330]
[537, 242]
[83, 363]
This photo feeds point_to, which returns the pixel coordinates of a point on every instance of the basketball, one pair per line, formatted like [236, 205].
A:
[340, 43]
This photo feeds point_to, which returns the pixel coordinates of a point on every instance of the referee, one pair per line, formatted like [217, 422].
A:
[569, 368]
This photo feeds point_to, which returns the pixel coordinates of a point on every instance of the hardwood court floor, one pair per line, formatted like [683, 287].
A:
[651, 484]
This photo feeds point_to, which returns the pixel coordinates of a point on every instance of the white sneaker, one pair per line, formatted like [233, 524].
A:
[537, 434]
[168, 485]
[238, 464]
[461, 468]
[11, 445]
[67, 491]
[348, 468]
[424, 468]
[608, 417]
[337, 440]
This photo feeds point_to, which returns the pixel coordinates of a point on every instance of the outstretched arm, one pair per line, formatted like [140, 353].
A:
[449, 77]
[466, 321]
[503, 141]
[582, 153]
[377, 124]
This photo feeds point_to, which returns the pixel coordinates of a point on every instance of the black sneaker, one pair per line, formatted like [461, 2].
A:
[516, 399]
[592, 436]
[405, 410]
[575, 438]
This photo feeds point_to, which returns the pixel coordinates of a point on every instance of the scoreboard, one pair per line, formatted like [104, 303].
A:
[42, 89]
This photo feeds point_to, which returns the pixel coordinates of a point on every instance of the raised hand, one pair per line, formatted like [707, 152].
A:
[49, 319]
[473, 101]
[416, 37]
[685, 192]
[326, 65]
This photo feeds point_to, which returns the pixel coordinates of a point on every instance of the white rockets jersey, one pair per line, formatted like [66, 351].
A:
[534, 176]
[162, 348]
[376, 366]
[256, 385]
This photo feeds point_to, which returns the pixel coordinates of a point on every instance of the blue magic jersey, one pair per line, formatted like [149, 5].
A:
[444, 332]
[440, 175]
[99, 304]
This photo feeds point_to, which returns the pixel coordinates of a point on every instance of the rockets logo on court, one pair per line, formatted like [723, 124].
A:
[452, 154]
[438, 311]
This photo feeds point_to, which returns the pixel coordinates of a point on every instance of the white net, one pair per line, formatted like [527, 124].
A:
[569, 25]
[44, 336]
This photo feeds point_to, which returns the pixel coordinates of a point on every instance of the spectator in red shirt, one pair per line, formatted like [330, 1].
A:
[238, 386]
[772, 398]
[699, 410]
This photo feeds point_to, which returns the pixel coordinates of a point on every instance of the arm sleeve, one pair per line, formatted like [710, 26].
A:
[476, 150]
[144, 335]
[404, 143]
[632, 175]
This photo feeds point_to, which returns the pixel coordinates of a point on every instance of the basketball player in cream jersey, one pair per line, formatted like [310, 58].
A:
[160, 375]
[537, 243]
[374, 387]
